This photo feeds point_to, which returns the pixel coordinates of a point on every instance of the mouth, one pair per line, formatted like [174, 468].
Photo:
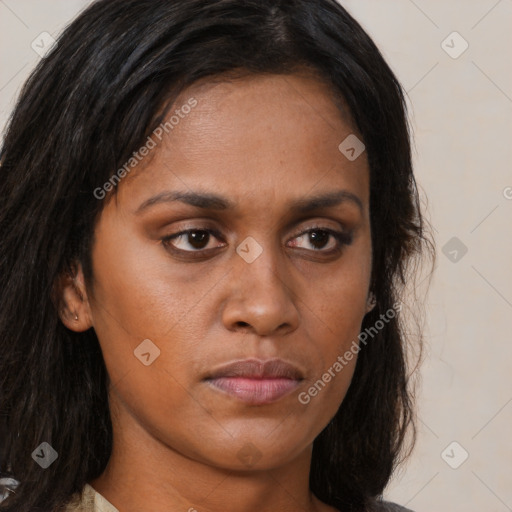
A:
[256, 382]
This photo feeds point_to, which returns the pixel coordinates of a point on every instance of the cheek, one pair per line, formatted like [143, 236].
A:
[140, 302]
[341, 299]
[339, 306]
[335, 355]
[158, 400]
[149, 323]
[138, 292]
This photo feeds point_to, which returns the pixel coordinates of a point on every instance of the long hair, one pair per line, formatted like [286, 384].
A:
[107, 84]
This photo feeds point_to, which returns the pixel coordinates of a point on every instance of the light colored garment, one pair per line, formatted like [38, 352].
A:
[90, 501]
[93, 501]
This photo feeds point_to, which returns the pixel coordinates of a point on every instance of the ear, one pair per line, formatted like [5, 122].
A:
[73, 303]
[370, 302]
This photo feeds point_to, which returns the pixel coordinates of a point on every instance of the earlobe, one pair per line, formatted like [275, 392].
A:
[73, 303]
[371, 302]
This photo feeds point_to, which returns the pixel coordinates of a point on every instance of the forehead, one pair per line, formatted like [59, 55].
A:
[253, 135]
[296, 102]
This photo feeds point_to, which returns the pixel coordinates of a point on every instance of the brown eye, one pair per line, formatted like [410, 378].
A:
[191, 240]
[318, 239]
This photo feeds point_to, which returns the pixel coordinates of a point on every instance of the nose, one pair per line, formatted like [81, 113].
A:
[261, 298]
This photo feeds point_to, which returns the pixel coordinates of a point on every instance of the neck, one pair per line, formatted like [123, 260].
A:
[145, 474]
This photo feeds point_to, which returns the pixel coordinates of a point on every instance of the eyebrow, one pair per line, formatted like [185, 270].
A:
[209, 201]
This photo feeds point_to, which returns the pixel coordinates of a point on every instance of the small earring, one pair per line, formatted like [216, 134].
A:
[371, 302]
[76, 317]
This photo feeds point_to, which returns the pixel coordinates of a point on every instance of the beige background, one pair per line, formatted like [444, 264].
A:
[461, 110]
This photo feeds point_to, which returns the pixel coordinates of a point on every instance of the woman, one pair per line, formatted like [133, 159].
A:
[208, 212]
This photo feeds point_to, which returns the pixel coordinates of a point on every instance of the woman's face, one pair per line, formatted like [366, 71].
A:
[259, 277]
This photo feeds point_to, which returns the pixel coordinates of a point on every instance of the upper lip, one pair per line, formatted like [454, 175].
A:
[254, 368]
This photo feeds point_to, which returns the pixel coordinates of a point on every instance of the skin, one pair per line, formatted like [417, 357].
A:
[262, 142]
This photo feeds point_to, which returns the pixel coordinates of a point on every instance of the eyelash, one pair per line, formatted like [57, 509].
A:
[342, 238]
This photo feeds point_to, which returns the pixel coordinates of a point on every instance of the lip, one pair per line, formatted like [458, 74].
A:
[256, 382]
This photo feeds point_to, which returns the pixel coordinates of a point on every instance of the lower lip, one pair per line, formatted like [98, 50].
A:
[255, 391]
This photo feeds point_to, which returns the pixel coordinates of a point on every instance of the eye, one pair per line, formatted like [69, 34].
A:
[199, 241]
[320, 238]
[191, 240]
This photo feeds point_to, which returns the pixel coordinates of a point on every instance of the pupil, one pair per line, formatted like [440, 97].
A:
[197, 238]
[319, 237]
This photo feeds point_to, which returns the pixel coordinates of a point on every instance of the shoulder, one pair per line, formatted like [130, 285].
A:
[89, 501]
[82, 501]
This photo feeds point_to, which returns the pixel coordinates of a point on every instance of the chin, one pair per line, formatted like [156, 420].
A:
[252, 455]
